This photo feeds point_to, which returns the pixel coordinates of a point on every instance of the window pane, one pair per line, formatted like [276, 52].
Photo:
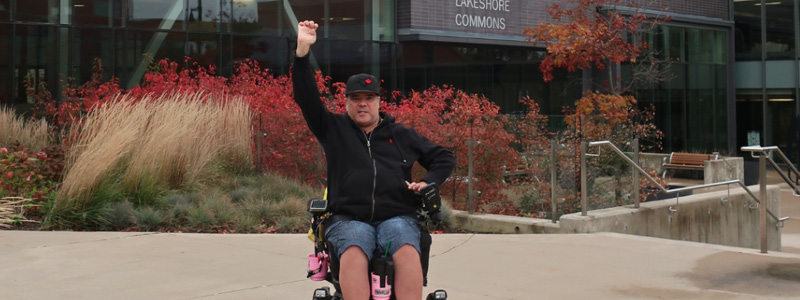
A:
[204, 15]
[40, 11]
[700, 107]
[261, 16]
[141, 46]
[203, 49]
[35, 51]
[267, 51]
[308, 10]
[747, 18]
[347, 20]
[749, 117]
[676, 43]
[385, 23]
[720, 47]
[675, 136]
[780, 33]
[6, 85]
[780, 110]
[342, 59]
[5, 10]
[700, 46]
[96, 12]
[87, 45]
[156, 14]
[225, 67]
[388, 66]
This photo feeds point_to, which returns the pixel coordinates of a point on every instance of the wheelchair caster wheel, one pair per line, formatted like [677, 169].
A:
[437, 295]
[322, 294]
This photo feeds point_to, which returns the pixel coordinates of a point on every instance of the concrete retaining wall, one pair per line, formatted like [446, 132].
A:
[727, 168]
[701, 217]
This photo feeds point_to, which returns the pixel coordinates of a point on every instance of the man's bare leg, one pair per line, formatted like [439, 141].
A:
[408, 273]
[353, 268]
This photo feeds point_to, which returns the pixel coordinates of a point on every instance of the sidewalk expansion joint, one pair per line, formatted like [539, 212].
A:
[100, 240]
[454, 247]
[245, 289]
[232, 245]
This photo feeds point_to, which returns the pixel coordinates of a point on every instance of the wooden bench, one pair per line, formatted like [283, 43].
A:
[687, 161]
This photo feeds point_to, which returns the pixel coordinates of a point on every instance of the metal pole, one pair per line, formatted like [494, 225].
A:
[636, 187]
[470, 194]
[762, 174]
[583, 178]
[553, 181]
[259, 144]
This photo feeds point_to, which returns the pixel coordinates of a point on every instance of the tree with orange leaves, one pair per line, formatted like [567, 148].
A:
[602, 35]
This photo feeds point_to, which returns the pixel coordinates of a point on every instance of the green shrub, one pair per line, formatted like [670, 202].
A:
[108, 192]
[220, 209]
[241, 193]
[263, 211]
[150, 219]
[292, 206]
[179, 207]
[245, 223]
[199, 218]
[291, 224]
[148, 193]
[119, 215]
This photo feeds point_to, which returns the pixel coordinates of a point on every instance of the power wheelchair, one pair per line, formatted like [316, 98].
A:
[381, 269]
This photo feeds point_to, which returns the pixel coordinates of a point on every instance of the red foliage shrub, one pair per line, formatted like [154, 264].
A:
[283, 144]
[30, 174]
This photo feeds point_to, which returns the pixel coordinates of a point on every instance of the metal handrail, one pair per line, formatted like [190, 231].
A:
[683, 189]
[764, 151]
[763, 210]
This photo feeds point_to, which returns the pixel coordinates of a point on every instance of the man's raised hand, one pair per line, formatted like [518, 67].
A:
[306, 36]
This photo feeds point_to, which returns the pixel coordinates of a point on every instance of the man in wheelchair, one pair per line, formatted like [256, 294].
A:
[381, 267]
[370, 190]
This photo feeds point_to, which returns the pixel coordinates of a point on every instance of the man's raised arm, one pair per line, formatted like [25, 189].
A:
[306, 36]
[306, 93]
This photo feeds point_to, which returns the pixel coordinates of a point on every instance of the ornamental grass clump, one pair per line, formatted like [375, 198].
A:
[149, 145]
[29, 134]
[12, 211]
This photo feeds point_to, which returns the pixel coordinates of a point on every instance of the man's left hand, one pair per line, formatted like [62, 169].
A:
[416, 186]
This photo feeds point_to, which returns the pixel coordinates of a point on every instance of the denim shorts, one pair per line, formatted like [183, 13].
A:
[397, 231]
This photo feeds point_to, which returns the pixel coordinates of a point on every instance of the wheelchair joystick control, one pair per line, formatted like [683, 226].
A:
[382, 278]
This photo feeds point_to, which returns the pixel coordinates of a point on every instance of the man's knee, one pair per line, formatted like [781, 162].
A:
[354, 254]
[407, 254]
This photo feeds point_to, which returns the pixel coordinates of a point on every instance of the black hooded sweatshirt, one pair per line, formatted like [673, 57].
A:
[367, 172]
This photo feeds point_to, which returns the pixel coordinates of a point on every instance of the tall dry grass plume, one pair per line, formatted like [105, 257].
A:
[170, 140]
[13, 129]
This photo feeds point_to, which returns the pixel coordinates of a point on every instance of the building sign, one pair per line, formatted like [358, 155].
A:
[476, 17]
[469, 19]
[489, 21]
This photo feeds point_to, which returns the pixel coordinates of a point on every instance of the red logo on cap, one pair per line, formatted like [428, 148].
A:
[368, 81]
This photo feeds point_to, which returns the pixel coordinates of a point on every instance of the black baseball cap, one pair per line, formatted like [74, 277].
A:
[362, 83]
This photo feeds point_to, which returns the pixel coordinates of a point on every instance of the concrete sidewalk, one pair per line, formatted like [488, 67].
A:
[115, 265]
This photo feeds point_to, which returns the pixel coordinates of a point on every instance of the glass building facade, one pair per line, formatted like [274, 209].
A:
[692, 107]
[766, 73]
[46, 40]
[734, 76]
